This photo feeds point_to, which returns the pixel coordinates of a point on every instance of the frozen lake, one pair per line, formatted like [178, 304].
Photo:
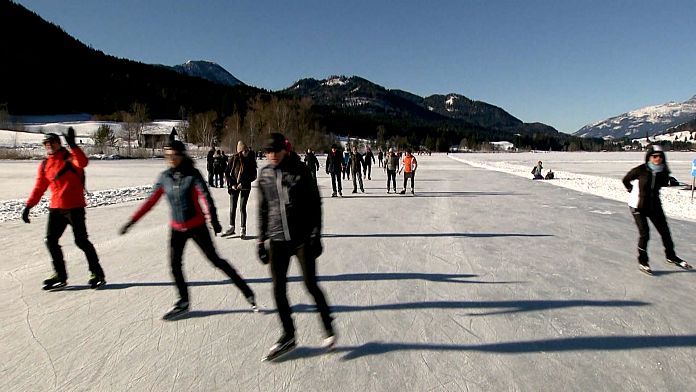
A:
[485, 280]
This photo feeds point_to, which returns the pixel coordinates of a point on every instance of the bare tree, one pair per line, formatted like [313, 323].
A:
[139, 116]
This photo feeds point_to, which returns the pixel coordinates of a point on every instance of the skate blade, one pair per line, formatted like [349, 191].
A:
[646, 272]
[175, 316]
[275, 357]
[55, 287]
[98, 285]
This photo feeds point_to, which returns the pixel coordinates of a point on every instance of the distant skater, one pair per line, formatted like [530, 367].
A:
[356, 162]
[391, 165]
[369, 159]
[536, 171]
[334, 167]
[312, 163]
[183, 185]
[290, 225]
[644, 183]
[409, 165]
[240, 172]
[380, 157]
[63, 172]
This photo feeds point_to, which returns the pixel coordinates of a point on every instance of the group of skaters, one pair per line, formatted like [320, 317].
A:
[351, 162]
[290, 221]
[289, 216]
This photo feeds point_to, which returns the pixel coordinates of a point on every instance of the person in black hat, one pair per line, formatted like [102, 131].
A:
[644, 183]
[63, 171]
[183, 184]
[290, 225]
[334, 167]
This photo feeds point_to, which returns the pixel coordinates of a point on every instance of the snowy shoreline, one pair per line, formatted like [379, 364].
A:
[674, 199]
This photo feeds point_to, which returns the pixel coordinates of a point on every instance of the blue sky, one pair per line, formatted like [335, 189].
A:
[562, 63]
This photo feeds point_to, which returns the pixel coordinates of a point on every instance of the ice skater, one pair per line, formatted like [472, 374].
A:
[240, 172]
[644, 183]
[334, 167]
[409, 165]
[183, 185]
[369, 159]
[391, 165]
[63, 172]
[356, 163]
[290, 225]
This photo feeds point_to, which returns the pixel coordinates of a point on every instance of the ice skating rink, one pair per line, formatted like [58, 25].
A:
[484, 280]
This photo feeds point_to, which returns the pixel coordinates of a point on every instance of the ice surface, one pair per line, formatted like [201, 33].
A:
[481, 281]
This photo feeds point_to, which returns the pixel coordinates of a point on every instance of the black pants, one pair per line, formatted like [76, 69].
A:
[368, 171]
[380, 162]
[357, 179]
[657, 216]
[241, 196]
[336, 182]
[219, 179]
[280, 253]
[391, 175]
[210, 176]
[58, 221]
[201, 237]
[410, 175]
[346, 172]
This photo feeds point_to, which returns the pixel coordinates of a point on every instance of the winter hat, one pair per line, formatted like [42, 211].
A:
[655, 149]
[175, 145]
[51, 137]
[241, 146]
[275, 142]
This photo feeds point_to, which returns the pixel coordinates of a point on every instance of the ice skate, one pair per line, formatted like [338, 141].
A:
[180, 308]
[229, 232]
[54, 283]
[96, 281]
[645, 269]
[282, 347]
[252, 301]
[329, 342]
[403, 192]
[678, 262]
[242, 234]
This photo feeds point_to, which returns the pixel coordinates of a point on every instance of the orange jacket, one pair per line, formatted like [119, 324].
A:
[67, 191]
[409, 163]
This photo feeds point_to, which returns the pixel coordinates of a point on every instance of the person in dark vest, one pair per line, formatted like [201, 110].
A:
[63, 172]
[290, 225]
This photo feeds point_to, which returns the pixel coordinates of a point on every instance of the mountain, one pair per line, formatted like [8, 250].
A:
[360, 95]
[209, 71]
[50, 72]
[650, 120]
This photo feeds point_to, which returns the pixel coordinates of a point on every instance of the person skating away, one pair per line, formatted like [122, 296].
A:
[369, 159]
[63, 172]
[409, 165]
[210, 160]
[312, 163]
[391, 165]
[219, 165]
[346, 166]
[183, 185]
[644, 183]
[290, 225]
[380, 157]
[240, 173]
[356, 162]
[334, 167]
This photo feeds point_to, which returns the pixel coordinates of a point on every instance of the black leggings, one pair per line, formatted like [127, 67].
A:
[242, 197]
[58, 221]
[201, 237]
[657, 216]
[410, 175]
[279, 254]
[391, 176]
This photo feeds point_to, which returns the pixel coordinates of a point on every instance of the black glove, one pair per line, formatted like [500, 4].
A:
[126, 227]
[25, 214]
[263, 253]
[70, 137]
[315, 246]
[629, 189]
[217, 228]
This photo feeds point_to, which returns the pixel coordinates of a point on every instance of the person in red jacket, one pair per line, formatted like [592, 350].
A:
[63, 172]
[185, 190]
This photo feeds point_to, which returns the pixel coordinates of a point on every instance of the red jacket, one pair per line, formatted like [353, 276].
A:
[67, 191]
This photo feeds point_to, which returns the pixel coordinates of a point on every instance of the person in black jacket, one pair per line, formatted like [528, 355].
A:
[240, 172]
[644, 183]
[334, 166]
[369, 160]
[183, 185]
[210, 160]
[312, 163]
[290, 225]
[356, 163]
